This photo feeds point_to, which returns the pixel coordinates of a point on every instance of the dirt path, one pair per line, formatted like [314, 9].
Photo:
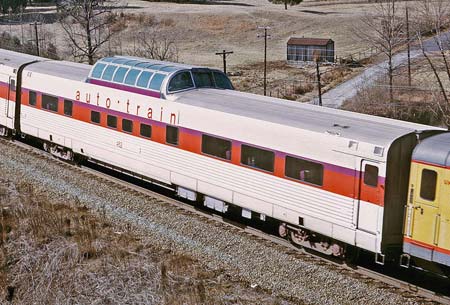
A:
[334, 98]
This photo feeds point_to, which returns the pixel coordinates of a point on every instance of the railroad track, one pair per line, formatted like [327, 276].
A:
[407, 290]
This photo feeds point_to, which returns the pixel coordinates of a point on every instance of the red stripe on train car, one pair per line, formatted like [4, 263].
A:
[336, 179]
[425, 245]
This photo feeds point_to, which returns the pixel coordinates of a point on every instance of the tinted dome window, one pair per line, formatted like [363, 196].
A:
[222, 81]
[181, 81]
[203, 80]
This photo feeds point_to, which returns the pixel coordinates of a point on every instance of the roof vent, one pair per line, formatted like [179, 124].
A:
[378, 151]
[353, 145]
[341, 126]
[333, 133]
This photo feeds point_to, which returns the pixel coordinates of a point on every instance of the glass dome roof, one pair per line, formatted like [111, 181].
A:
[134, 72]
[147, 76]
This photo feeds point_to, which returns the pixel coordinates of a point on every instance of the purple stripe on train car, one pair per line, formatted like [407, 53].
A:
[191, 132]
[124, 88]
[278, 154]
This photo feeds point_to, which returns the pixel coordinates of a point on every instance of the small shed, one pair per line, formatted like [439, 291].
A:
[303, 49]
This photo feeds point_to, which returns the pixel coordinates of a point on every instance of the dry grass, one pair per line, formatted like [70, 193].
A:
[59, 252]
[416, 103]
[409, 104]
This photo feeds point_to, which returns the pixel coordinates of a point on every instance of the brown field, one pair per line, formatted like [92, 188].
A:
[59, 252]
[200, 30]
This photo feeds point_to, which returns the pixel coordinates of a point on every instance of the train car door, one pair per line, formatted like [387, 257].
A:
[10, 101]
[4, 91]
[369, 196]
[444, 212]
[425, 207]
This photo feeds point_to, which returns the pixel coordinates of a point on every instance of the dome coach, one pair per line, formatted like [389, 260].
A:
[330, 180]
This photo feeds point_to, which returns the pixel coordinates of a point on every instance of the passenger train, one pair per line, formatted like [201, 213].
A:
[331, 180]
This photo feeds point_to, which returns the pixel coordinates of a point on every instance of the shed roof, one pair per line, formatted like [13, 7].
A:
[302, 41]
[434, 150]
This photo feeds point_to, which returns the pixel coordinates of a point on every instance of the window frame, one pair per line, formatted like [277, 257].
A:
[132, 125]
[140, 130]
[178, 135]
[272, 171]
[365, 181]
[35, 98]
[114, 126]
[218, 138]
[436, 174]
[43, 102]
[65, 102]
[304, 160]
[99, 117]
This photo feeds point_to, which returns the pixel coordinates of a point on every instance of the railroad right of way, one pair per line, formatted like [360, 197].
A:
[218, 247]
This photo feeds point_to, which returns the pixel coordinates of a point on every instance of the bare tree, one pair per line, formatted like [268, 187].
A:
[152, 46]
[433, 17]
[87, 24]
[286, 2]
[385, 32]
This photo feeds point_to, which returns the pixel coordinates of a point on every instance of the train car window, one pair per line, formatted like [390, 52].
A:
[258, 158]
[428, 185]
[371, 175]
[172, 135]
[155, 83]
[222, 81]
[12, 85]
[181, 81]
[68, 107]
[127, 125]
[304, 170]
[111, 121]
[216, 147]
[95, 117]
[144, 79]
[109, 72]
[32, 101]
[50, 103]
[146, 131]
[131, 77]
[98, 70]
[203, 79]
[120, 75]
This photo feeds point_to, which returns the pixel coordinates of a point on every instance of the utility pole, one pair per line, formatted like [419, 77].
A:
[265, 28]
[36, 33]
[224, 56]
[319, 85]
[409, 46]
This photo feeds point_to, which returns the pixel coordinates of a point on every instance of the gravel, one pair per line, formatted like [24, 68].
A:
[217, 247]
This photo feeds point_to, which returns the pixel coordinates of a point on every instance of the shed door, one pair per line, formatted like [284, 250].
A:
[425, 222]
[369, 196]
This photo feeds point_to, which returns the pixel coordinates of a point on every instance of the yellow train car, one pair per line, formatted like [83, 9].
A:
[427, 221]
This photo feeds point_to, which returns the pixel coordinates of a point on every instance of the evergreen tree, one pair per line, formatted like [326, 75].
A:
[15, 5]
[286, 2]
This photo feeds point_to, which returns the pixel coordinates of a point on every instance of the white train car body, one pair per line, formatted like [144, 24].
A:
[335, 173]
